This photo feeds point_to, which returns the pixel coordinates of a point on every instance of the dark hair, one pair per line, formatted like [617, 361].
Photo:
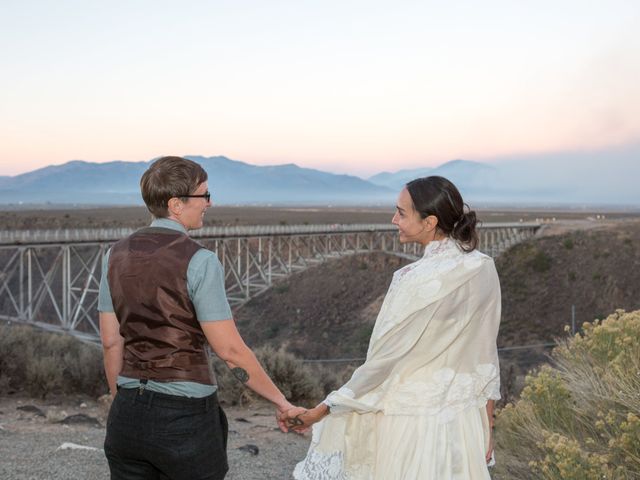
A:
[169, 177]
[438, 196]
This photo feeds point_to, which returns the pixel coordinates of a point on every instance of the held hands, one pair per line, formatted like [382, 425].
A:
[300, 419]
[281, 414]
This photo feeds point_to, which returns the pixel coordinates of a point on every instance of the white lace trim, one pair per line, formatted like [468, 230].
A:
[446, 394]
[321, 466]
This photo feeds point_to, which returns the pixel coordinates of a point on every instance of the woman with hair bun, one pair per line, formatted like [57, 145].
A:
[421, 405]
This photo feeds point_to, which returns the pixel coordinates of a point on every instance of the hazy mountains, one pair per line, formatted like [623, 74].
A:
[230, 181]
[607, 177]
[474, 178]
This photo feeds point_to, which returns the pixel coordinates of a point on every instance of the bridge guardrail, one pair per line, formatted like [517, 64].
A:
[80, 235]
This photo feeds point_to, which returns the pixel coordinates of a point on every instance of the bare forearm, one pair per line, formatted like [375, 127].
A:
[226, 342]
[246, 368]
[112, 366]
[490, 408]
[112, 348]
[321, 410]
[301, 421]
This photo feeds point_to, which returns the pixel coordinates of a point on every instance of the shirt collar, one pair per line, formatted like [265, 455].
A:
[168, 223]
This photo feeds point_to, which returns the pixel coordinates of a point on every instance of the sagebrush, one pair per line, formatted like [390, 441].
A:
[299, 382]
[42, 363]
[579, 418]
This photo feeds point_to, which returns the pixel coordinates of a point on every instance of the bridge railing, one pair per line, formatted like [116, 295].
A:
[82, 235]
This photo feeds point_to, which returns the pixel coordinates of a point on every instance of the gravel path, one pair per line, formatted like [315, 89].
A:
[30, 442]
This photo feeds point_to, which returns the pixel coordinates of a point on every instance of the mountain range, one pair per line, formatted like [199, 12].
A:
[598, 178]
[230, 182]
[473, 177]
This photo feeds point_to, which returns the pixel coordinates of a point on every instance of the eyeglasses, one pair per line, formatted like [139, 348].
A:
[206, 196]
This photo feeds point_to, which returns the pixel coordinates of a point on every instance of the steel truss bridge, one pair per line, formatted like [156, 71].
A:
[50, 278]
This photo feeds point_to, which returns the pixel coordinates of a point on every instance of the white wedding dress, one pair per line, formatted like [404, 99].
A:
[416, 409]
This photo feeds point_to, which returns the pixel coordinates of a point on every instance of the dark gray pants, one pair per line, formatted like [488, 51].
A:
[158, 436]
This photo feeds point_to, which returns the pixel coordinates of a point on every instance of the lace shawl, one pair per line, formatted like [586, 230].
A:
[432, 352]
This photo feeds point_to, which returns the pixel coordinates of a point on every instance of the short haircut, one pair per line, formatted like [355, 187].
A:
[169, 177]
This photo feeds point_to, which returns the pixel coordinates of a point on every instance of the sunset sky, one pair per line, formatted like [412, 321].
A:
[345, 86]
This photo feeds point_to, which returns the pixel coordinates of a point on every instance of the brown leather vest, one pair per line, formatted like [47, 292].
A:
[147, 277]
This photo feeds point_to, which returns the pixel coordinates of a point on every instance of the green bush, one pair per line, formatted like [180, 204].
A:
[580, 418]
[42, 363]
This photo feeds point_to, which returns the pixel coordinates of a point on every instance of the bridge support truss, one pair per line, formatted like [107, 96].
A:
[55, 285]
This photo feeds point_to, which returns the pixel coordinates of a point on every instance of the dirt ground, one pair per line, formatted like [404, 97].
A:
[36, 442]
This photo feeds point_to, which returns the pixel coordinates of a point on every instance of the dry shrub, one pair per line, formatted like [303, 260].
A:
[331, 377]
[299, 382]
[42, 362]
[580, 418]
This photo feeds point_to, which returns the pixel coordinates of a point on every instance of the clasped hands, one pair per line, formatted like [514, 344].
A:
[300, 419]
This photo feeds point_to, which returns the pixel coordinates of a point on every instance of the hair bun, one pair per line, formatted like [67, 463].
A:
[464, 229]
